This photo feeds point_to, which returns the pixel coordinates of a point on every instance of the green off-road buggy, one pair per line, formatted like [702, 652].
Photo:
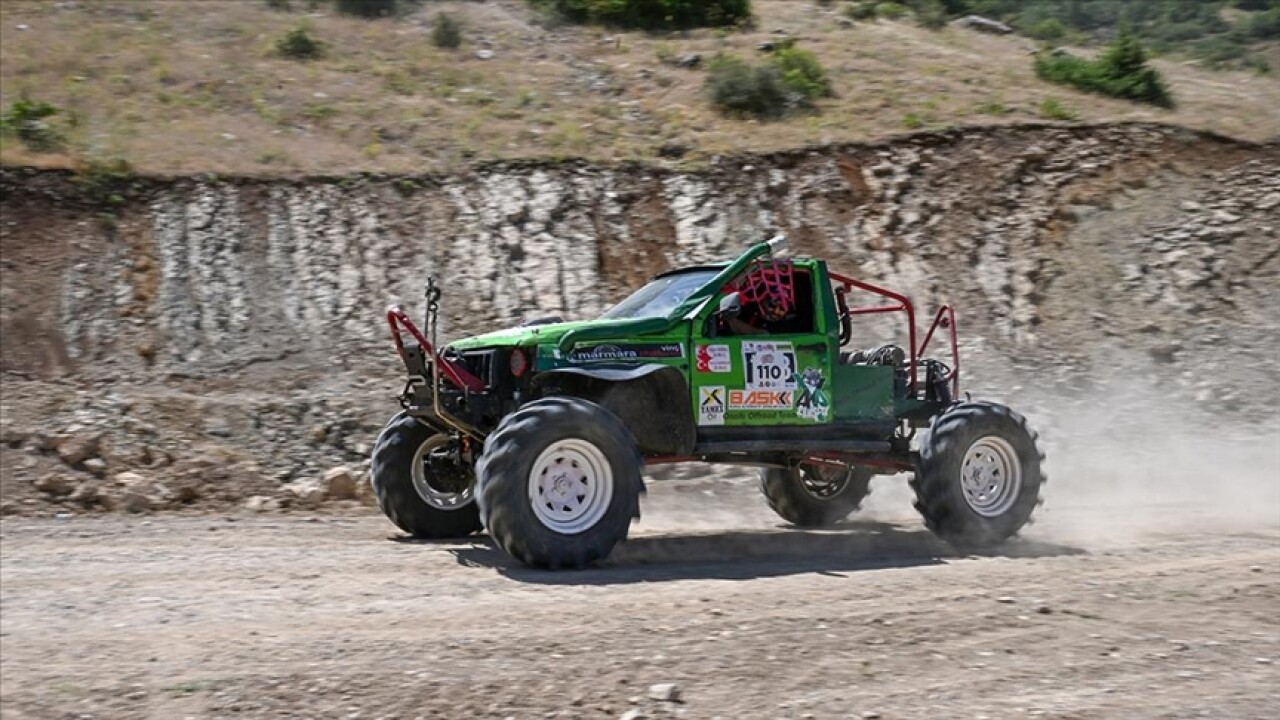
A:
[540, 433]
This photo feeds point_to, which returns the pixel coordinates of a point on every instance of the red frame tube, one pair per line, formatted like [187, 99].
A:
[904, 305]
[945, 317]
[399, 322]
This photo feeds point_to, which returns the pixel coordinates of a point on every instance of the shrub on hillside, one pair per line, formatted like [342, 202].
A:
[298, 44]
[1050, 30]
[890, 10]
[932, 14]
[860, 11]
[738, 88]
[1264, 25]
[28, 120]
[368, 8]
[1121, 72]
[651, 14]
[791, 80]
[447, 32]
[802, 73]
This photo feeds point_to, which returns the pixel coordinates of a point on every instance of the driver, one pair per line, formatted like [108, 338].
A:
[764, 317]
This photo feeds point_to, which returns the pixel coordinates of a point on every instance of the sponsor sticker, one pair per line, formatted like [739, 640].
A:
[769, 365]
[811, 400]
[714, 359]
[627, 353]
[760, 400]
[711, 405]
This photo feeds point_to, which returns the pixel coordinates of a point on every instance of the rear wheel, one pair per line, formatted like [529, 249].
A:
[978, 477]
[815, 495]
[559, 483]
[422, 482]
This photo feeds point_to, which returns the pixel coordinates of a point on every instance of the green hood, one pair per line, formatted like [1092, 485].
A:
[522, 336]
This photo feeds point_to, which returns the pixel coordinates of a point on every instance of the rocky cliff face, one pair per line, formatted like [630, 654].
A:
[215, 273]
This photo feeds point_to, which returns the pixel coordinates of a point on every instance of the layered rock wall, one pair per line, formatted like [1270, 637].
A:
[205, 273]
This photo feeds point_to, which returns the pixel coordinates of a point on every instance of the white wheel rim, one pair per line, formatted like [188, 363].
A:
[991, 476]
[570, 486]
[438, 499]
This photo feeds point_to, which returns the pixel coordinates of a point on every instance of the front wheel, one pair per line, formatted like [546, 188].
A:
[978, 477]
[814, 496]
[559, 483]
[422, 482]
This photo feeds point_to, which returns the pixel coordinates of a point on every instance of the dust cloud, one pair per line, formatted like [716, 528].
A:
[1123, 465]
[1139, 463]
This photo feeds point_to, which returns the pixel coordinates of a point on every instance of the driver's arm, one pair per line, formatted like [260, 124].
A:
[742, 327]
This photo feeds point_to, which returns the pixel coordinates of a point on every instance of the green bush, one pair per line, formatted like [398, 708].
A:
[1197, 28]
[802, 73]
[368, 8]
[651, 14]
[860, 11]
[298, 44]
[738, 88]
[890, 10]
[280, 5]
[1264, 25]
[790, 81]
[446, 32]
[28, 120]
[931, 14]
[104, 181]
[1050, 30]
[1121, 72]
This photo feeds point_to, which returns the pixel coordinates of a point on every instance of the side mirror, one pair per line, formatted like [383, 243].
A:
[730, 306]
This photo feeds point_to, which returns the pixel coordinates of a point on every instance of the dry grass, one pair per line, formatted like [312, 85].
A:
[196, 87]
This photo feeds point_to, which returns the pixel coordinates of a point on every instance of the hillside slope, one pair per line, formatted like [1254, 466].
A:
[170, 90]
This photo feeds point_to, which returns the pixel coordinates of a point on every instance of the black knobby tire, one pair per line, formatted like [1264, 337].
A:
[985, 443]
[392, 480]
[803, 497]
[505, 476]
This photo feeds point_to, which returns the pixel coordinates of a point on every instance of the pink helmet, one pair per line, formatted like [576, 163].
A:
[769, 286]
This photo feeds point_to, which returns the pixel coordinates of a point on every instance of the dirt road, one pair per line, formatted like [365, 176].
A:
[294, 616]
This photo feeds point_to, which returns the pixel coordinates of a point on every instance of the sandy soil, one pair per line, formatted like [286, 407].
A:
[296, 616]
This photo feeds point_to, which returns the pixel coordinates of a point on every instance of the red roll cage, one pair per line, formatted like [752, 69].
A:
[944, 318]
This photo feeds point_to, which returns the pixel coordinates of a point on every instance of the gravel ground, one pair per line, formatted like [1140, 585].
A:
[340, 616]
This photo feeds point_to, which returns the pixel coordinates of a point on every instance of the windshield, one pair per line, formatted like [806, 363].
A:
[661, 296]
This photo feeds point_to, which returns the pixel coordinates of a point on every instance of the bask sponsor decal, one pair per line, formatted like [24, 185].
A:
[711, 405]
[760, 399]
[714, 359]
[769, 365]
